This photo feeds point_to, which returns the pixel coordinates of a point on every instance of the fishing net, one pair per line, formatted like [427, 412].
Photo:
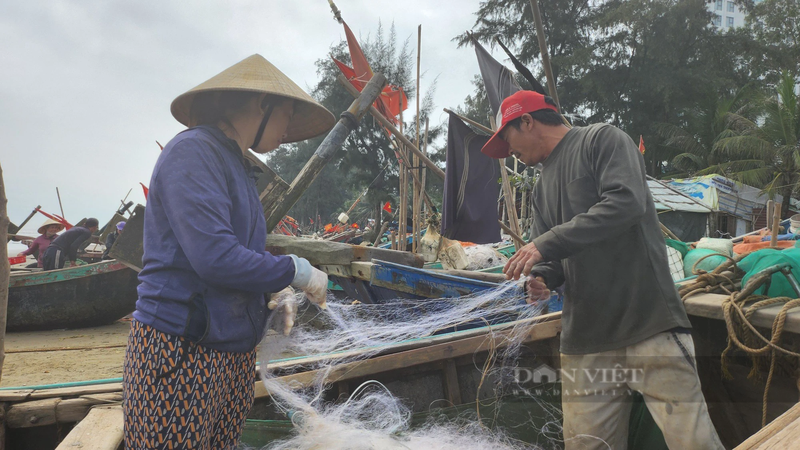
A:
[346, 335]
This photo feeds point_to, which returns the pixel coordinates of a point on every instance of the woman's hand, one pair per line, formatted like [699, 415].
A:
[284, 305]
[317, 288]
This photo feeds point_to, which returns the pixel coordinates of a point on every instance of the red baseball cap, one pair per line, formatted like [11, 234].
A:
[515, 105]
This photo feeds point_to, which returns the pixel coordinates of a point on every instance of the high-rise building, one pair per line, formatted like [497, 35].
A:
[727, 14]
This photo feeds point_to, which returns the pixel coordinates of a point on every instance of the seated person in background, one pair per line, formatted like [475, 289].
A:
[66, 246]
[48, 232]
[112, 237]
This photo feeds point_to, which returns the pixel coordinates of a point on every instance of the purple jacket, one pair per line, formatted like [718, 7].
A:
[205, 269]
[39, 245]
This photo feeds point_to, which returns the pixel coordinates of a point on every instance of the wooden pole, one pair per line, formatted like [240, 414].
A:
[59, 203]
[509, 200]
[384, 226]
[349, 121]
[403, 216]
[415, 207]
[548, 70]
[392, 129]
[30, 216]
[423, 172]
[403, 157]
[477, 125]
[5, 270]
[513, 235]
[776, 225]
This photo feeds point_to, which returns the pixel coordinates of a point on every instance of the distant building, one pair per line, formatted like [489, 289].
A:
[727, 14]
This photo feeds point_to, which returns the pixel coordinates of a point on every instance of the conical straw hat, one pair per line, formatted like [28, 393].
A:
[47, 223]
[256, 74]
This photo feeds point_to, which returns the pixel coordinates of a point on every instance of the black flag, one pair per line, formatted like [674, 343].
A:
[469, 207]
[499, 81]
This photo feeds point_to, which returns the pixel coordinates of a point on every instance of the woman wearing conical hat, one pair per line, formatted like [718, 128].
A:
[47, 234]
[189, 372]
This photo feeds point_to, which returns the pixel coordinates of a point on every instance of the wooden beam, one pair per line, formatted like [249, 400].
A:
[475, 124]
[5, 270]
[423, 355]
[451, 387]
[101, 429]
[710, 306]
[548, 69]
[765, 438]
[388, 125]
[332, 142]
[319, 252]
[475, 275]
[513, 235]
[38, 413]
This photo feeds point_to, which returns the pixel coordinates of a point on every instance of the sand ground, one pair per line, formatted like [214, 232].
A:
[64, 355]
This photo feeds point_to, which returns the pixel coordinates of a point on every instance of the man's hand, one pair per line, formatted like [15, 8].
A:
[537, 290]
[522, 262]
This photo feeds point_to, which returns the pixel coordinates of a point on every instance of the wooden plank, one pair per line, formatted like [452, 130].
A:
[475, 275]
[415, 357]
[319, 252]
[102, 429]
[765, 434]
[416, 343]
[787, 438]
[55, 410]
[451, 388]
[129, 246]
[16, 395]
[710, 306]
[76, 391]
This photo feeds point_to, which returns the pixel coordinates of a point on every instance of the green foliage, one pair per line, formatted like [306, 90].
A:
[766, 153]
[367, 157]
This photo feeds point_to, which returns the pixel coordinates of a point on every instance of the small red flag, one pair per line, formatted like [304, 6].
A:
[387, 207]
[146, 191]
[641, 144]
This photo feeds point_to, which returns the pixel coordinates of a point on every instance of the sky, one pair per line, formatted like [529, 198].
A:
[85, 85]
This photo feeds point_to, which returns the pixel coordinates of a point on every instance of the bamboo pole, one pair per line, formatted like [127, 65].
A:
[415, 164]
[423, 172]
[403, 156]
[548, 70]
[30, 216]
[776, 225]
[5, 270]
[392, 129]
[403, 216]
[59, 203]
[477, 125]
[510, 201]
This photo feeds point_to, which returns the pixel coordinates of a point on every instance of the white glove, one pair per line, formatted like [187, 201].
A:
[284, 304]
[313, 282]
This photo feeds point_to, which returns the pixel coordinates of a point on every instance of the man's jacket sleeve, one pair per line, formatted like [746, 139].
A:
[551, 271]
[193, 189]
[618, 172]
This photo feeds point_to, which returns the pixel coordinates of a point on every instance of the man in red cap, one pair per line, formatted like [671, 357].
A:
[595, 230]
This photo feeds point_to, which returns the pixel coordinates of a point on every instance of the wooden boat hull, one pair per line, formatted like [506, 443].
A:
[75, 297]
[390, 281]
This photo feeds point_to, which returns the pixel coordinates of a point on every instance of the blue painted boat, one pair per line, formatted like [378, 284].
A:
[390, 282]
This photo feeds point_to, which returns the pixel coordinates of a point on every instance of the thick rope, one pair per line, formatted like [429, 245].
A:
[726, 279]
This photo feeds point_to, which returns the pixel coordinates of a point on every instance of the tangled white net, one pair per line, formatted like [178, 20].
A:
[372, 418]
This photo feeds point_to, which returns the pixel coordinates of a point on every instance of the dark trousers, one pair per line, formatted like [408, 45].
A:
[54, 258]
